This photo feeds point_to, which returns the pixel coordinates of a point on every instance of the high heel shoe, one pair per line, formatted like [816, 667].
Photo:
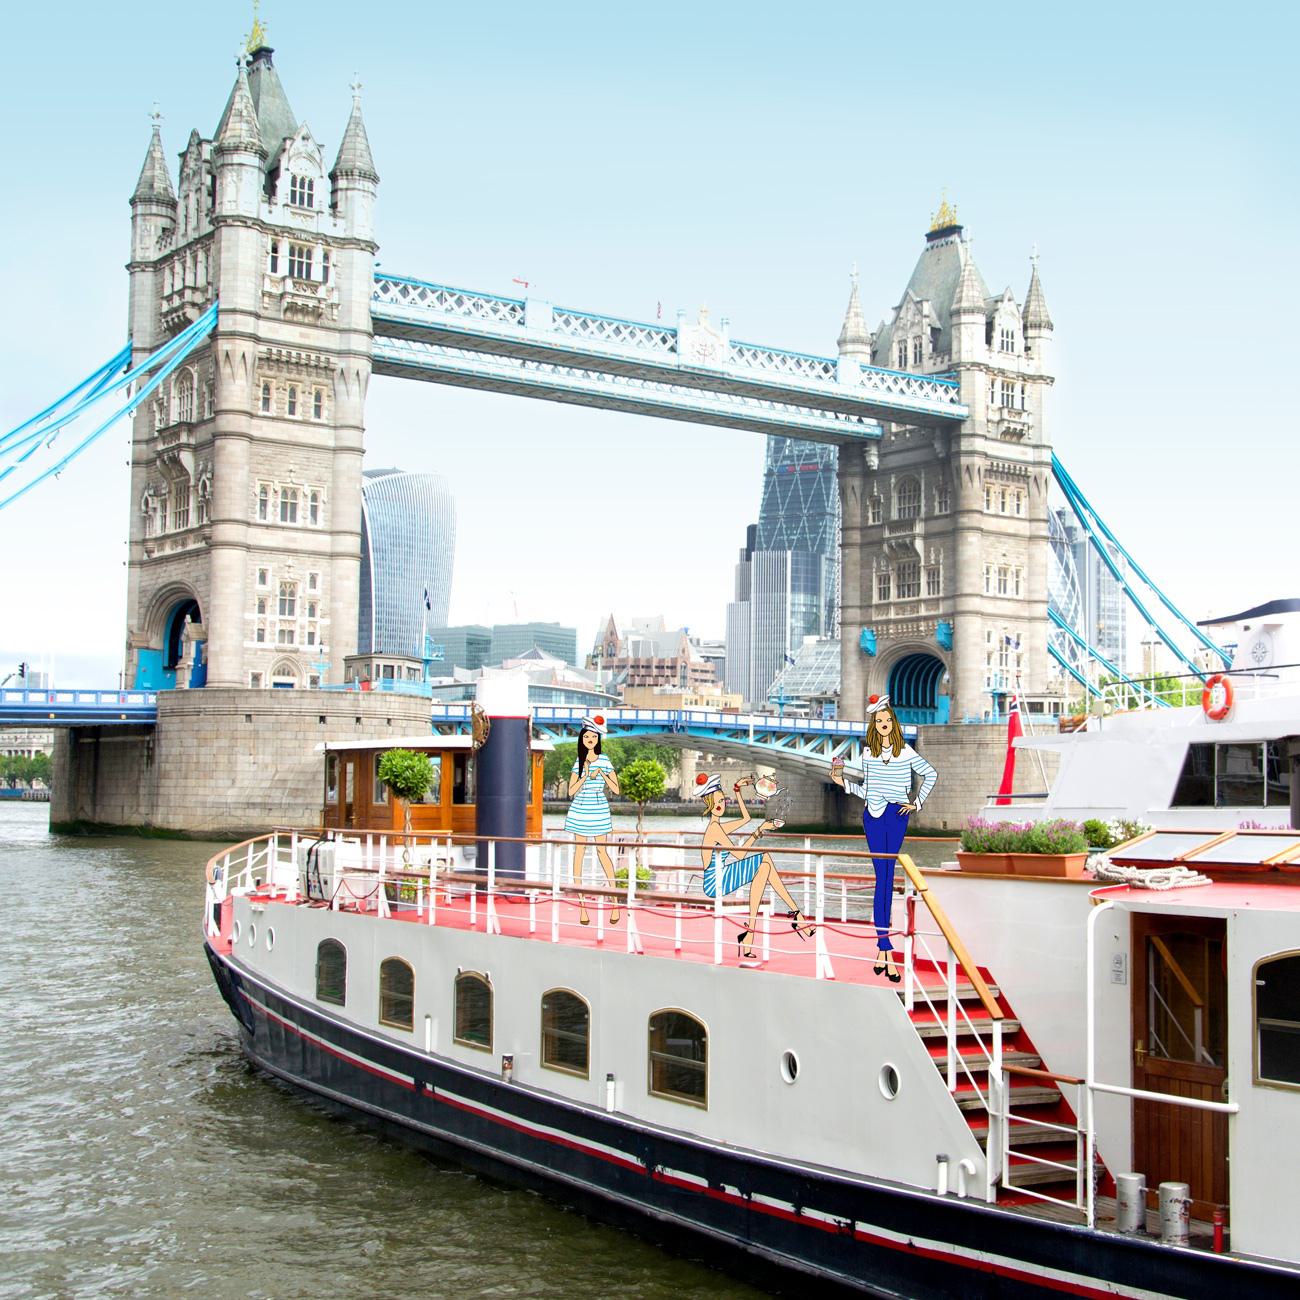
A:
[744, 944]
[801, 925]
[887, 968]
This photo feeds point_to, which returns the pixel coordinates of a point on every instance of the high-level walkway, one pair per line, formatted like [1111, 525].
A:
[693, 372]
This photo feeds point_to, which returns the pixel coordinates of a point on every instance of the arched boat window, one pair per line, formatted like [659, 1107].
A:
[396, 993]
[679, 1058]
[331, 972]
[566, 1032]
[473, 1019]
[1277, 1020]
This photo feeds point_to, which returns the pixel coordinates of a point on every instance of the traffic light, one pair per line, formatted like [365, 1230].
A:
[22, 672]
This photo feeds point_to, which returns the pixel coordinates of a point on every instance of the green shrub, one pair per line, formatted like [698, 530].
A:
[407, 774]
[981, 836]
[1053, 837]
[644, 876]
[1098, 834]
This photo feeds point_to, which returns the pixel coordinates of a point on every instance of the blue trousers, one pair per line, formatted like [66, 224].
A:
[884, 834]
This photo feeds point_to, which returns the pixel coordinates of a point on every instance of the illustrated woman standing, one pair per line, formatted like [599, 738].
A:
[887, 770]
[590, 783]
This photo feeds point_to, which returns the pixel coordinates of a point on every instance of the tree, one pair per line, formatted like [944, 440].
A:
[641, 781]
[623, 751]
[408, 775]
[557, 765]
[42, 768]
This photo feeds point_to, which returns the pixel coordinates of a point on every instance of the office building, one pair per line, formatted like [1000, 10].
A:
[408, 545]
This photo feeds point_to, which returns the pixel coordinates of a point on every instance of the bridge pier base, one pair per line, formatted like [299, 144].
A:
[220, 763]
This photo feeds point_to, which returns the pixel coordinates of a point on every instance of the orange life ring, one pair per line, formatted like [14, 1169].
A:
[1216, 712]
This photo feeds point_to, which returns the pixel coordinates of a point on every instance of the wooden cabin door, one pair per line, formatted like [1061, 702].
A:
[1180, 1043]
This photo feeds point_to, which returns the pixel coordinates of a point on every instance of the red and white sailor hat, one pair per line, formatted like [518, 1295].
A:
[875, 702]
[706, 785]
[595, 723]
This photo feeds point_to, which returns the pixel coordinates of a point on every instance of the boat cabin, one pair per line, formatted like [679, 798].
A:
[356, 799]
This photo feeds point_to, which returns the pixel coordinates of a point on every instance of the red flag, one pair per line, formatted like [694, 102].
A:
[1014, 729]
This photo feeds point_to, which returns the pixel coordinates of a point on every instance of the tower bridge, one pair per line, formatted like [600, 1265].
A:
[246, 464]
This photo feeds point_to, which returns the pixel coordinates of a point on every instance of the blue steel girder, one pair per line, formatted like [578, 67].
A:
[529, 348]
[47, 709]
[799, 745]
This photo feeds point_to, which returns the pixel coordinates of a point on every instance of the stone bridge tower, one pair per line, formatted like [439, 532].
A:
[246, 466]
[945, 535]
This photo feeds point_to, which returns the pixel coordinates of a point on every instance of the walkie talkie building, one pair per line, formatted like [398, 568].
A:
[408, 545]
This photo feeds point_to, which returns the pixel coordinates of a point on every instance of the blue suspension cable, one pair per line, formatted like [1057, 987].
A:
[1082, 511]
[1072, 670]
[50, 430]
[46, 436]
[1096, 654]
[196, 333]
[1063, 477]
[98, 380]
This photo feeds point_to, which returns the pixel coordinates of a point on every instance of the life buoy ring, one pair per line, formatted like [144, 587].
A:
[1217, 711]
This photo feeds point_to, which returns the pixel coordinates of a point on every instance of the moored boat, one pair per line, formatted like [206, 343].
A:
[958, 1133]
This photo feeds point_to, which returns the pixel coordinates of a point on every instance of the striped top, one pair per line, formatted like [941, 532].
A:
[887, 779]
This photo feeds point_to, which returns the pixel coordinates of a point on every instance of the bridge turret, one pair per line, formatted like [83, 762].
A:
[353, 176]
[855, 338]
[1037, 320]
[153, 218]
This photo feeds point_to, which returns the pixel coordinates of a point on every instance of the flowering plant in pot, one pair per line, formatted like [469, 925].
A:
[1055, 848]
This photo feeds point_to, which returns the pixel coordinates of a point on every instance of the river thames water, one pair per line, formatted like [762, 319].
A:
[142, 1156]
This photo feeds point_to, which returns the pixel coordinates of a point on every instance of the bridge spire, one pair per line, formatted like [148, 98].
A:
[1035, 314]
[855, 338]
[355, 160]
[155, 181]
[239, 127]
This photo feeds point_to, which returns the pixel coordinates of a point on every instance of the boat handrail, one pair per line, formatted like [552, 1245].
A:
[1050, 1076]
[953, 939]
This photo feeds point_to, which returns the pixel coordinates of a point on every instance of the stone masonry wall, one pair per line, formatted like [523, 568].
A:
[221, 763]
[968, 760]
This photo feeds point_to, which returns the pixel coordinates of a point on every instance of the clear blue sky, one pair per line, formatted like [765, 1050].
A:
[739, 155]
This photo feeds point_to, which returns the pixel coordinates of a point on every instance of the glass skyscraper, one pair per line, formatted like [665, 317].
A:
[790, 566]
[408, 545]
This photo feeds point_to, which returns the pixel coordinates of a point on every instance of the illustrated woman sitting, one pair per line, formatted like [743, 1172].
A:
[588, 817]
[888, 767]
[724, 873]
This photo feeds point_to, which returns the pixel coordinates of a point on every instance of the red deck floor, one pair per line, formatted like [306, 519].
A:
[850, 945]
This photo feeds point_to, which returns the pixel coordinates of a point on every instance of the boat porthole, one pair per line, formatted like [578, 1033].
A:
[888, 1082]
[235, 930]
[270, 938]
[252, 933]
[789, 1067]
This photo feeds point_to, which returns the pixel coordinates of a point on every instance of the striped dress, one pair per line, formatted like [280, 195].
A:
[589, 812]
[887, 780]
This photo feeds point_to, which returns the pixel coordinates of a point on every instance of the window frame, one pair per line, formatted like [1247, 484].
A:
[396, 1024]
[680, 1099]
[542, 1041]
[342, 1000]
[1257, 1079]
[465, 977]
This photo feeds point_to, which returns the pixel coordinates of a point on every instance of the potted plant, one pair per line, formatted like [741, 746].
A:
[408, 776]
[1055, 848]
[984, 845]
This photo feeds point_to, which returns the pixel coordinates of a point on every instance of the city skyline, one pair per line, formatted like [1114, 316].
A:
[1101, 187]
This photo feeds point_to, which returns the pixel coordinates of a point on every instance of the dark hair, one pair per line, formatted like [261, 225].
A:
[582, 749]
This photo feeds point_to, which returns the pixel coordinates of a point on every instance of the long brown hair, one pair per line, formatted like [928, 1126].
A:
[874, 743]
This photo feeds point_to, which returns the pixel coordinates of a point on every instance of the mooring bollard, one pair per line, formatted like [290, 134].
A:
[1175, 1207]
[1130, 1202]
